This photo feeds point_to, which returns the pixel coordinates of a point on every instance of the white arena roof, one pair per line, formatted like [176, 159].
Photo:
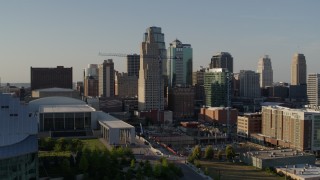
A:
[65, 108]
[116, 124]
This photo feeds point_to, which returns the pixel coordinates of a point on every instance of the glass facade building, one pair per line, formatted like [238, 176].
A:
[216, 87]
[179, 64]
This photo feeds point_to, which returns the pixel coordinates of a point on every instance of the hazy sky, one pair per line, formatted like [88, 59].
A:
[71, 33]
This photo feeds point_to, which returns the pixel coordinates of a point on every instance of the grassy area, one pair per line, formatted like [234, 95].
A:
[93, 144]
[235, 171]
[53, 153]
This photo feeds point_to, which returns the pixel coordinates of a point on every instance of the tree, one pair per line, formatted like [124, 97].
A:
[132, 164]
[61, 144]
[191, 159]
[208, 152]
[66, 169]
[157, 170]
[147, 169]
[229, 152]
[48, 143]
[206, 171]
[83, 165]
[219, 154]
[196, 153]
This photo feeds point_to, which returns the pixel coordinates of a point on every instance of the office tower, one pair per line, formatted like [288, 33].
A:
[236, 84]
[313, 89]
[91, 80]
[133, 65]
[126, 86]
[222, 60]
[179, 64]
[298, 70]
[198, 76]
[198, 83]
[150, 83]
[249, 84]
[265, 71]
[106, 78]
[216, 84]
[18, 140]
[59, 77]
[181, 102]
[158, 38]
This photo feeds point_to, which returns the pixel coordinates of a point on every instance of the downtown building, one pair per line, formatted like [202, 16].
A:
[133, 65]
[106, 79]
[249, 84]
[222, 60]
[179, 64]
[126, 86]
[247, 124]
[18, 140]
[198, 83]
[181, 102]
[265, 71]
[291, 128]
[43, 78]
[216, 84]
[298, 70]
[313, 90]
[152, 69]
[91, 81]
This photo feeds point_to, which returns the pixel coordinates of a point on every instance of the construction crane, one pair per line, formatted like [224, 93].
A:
[160, 59]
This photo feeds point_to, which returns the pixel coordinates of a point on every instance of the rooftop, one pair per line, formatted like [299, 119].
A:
[55, 89]
[273, 154]
[116, 124]
[65, 108]
[303, 171]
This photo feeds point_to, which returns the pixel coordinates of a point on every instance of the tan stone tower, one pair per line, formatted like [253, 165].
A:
[150, 83]
[298, 70]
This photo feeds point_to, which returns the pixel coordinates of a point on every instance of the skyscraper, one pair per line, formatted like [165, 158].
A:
[106, 78]
[265, 71]
[158, 38]
[133, 65]
[249, 84]
[222, 60]
[150, 83]
[216, 87]
[298, 69]
[91, 80]
[313, 89]
[179, 64]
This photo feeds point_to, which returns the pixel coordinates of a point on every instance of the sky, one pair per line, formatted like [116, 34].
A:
[43, 33]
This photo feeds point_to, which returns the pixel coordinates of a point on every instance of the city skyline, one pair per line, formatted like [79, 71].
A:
[71, 34]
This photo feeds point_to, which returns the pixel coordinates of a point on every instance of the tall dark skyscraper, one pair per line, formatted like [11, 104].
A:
[222, 60]
[42, 78]
[106, 78]
[133, 65]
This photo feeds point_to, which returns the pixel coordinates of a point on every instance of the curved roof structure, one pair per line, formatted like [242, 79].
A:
[16, 122]
[57, 100]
